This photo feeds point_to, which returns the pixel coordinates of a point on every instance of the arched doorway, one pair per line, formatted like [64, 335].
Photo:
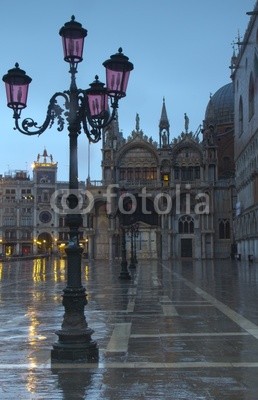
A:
[45, 243]
[144, 215]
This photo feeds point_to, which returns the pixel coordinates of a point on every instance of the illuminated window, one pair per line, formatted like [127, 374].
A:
[165, 179]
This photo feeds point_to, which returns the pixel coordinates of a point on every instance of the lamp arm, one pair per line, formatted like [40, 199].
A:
[53, 111]
[94, 132]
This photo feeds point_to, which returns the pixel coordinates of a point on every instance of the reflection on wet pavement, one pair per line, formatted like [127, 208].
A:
[176, 330]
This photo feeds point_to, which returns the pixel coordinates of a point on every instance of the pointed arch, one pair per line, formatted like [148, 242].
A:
[186, 224]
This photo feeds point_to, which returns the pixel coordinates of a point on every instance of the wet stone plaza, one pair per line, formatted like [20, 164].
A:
[177, 330]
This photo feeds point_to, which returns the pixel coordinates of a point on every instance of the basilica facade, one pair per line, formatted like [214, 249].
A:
[182, 190]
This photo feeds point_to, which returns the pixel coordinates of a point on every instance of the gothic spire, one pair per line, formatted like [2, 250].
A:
[111, 132]
[164, 123]
[164, 127]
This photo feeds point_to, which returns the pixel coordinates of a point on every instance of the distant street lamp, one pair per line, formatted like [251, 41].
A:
[124, 274]
[133, 231]
[135, 235]
[87, 110]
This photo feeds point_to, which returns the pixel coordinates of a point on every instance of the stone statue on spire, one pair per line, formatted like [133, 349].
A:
[186, 123]
[137, 125]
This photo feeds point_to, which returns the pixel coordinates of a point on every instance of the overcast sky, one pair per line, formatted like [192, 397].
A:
[181, 51]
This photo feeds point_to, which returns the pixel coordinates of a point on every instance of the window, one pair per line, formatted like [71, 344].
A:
[10, 234]
[63, 236]
[226, 163]
[45, 196]
[197, 172]
[25, 235]
[45, 217]
[188, 173]
[26, 210]
[224, 229]
[26, 194]
[212, 173]
[151, 174]
[176, 173]
[130, 174]
[122, 174]
[9, 210]
[184, 174]
[61, 222]
[137, 174]
[9, 221]
[26, 221]
[186, 224]
[165, 179]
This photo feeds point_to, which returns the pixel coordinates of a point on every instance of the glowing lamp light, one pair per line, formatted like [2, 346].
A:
[118, 69]
[97, 99]
[17, 86]
[73, 35]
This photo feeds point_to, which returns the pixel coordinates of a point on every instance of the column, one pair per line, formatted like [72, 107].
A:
[110, 252]
[203, 246]
[90, 248]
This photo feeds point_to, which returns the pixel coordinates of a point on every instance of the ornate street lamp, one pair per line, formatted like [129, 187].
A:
[86, 110]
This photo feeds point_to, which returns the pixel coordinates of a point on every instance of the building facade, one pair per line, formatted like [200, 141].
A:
[245, 79]
[32, 219]
[182, 190]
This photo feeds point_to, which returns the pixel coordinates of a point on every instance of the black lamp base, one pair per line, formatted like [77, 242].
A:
[124, 275]
[72, 352]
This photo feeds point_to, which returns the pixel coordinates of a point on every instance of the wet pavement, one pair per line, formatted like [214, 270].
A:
[176, 330]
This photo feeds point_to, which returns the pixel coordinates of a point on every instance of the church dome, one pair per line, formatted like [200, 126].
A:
[220, 109]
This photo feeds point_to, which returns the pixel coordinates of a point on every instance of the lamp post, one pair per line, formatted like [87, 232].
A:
[136, 233]
[87, 110]
[133, 231]
[132, 263]
[124, 274]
